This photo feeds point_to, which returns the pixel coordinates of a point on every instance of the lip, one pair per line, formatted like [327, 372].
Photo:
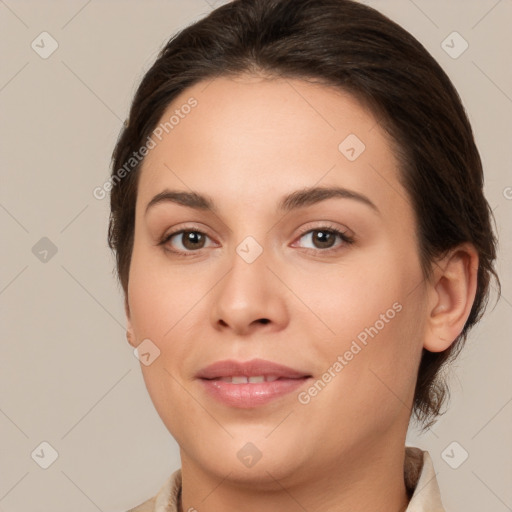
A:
[252, 368]
[251, 394]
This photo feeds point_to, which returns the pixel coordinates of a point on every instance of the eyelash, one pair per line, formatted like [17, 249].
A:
[347, 240]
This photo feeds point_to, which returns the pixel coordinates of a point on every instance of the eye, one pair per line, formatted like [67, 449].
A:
[324, 238]
[186, 241]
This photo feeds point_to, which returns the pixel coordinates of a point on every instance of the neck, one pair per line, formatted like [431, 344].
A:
[372, 480]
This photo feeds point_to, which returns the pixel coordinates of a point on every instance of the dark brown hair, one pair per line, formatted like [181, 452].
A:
[353, 47]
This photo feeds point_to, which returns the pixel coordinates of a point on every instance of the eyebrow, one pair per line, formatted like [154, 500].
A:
[293, 201]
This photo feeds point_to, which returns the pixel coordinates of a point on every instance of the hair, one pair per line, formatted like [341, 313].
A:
[355, 48]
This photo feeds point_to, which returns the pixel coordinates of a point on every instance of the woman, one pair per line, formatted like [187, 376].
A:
[303, 243]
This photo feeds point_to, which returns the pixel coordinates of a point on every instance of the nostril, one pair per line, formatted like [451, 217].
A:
[264, 320]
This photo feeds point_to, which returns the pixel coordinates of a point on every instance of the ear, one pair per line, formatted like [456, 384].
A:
[130, 336]
[452, 292]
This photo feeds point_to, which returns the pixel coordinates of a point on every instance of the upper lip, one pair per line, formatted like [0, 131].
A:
[252, 368]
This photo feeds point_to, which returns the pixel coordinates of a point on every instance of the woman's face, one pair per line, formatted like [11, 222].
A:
[257, 276]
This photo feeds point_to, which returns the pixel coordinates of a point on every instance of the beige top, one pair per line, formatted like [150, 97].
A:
[419, 474]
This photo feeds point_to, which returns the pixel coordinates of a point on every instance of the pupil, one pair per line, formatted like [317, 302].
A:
[192, 238]
[324, 238]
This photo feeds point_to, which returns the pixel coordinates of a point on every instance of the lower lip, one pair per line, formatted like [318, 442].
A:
[252, 394]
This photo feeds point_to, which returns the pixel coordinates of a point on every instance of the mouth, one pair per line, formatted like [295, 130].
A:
[255, 368]
[242, 379]
[250, 384]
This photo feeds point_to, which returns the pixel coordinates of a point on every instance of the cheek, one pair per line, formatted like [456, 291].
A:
[369, 377]
[159, 299]
[345, 298]
[159, 296]
[374, 317]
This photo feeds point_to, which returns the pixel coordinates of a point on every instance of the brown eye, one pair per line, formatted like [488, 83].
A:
[192, 239]
[325, 238]
[185, 241]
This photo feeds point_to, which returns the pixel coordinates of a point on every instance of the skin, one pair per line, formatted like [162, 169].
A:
[248, 142]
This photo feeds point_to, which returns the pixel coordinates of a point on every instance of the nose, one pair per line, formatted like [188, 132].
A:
[249, 297]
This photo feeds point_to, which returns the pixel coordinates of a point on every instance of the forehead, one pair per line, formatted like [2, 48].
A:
[252, 139]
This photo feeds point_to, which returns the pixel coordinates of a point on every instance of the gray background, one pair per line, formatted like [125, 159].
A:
[67, 374]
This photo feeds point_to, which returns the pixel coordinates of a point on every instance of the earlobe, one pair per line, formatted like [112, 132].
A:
[130, 336]
[452, 292]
